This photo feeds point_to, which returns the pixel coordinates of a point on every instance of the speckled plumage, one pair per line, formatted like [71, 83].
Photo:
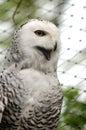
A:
[30, 93]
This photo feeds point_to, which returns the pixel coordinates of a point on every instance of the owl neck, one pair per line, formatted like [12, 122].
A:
[48, 68]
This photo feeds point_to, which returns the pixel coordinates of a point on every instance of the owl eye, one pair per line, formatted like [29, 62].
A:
[40, 33]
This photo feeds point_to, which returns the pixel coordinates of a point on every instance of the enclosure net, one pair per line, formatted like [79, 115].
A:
[70, 17]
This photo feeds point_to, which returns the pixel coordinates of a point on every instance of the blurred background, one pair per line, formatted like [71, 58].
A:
[70, 17]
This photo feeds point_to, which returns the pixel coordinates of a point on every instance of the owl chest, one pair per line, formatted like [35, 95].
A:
[43, 114]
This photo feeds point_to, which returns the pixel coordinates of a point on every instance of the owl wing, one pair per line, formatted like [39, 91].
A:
[8, 82]
[3, 98]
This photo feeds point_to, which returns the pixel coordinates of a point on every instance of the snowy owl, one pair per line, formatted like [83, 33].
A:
[30, 93]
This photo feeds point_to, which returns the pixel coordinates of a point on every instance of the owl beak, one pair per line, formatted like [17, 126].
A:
[46, 52]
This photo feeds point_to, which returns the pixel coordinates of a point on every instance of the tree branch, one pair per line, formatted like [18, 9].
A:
[13, 16]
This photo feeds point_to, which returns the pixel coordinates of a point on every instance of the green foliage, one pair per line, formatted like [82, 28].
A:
[74, 113]
[17, 10]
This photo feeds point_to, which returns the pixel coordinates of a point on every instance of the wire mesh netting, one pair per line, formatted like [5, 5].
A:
[70, 16]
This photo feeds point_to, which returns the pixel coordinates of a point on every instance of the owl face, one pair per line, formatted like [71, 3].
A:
[38, 45]
[42, 37]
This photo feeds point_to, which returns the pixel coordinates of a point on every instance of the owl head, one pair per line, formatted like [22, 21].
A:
[36, 44]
